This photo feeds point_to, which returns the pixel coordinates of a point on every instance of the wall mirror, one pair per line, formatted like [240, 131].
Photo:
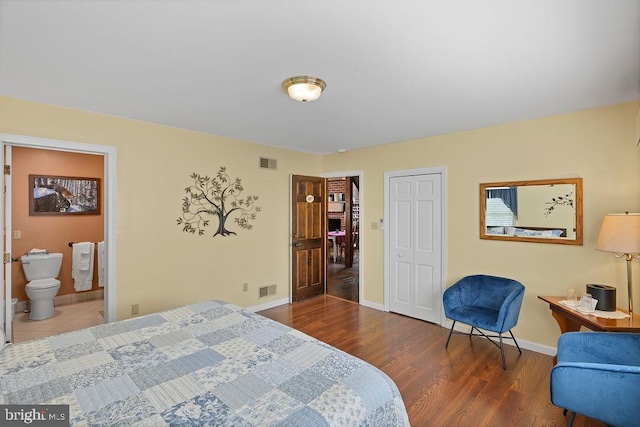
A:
[542, 211]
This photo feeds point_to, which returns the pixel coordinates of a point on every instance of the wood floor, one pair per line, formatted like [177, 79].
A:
[343, 282]
[462, 386]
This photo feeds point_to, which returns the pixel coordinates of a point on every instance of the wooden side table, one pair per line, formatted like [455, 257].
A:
[571, 320]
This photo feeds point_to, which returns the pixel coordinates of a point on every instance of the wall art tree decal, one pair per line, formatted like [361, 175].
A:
[566, 200]
[217, 196]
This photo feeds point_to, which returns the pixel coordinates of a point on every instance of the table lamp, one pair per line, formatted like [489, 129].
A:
[620, 234]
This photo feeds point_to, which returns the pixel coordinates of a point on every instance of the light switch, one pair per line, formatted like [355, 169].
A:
[17, 234]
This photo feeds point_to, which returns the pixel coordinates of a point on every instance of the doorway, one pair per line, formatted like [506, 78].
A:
[415, 242]
[345, 198]
[343, 218]
[108, 155]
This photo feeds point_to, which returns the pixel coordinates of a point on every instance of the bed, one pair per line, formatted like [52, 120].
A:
[209, 363]
[548, 232]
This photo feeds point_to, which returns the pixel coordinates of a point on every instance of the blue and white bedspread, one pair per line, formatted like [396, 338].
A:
[210, 363]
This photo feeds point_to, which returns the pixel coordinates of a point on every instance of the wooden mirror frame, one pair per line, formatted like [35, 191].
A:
[557, 240]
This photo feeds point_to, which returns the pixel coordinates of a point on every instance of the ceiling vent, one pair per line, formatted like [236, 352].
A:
[266, 163]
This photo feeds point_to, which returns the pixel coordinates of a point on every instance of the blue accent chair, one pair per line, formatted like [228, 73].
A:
[485, 302]
[598, 376]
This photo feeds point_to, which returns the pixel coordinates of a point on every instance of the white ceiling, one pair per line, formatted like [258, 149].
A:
[395, 70]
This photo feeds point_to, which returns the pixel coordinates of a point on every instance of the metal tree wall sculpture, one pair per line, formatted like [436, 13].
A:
[217, 196]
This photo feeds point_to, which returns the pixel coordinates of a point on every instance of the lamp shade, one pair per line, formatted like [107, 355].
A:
[304, 88]
[620, 233]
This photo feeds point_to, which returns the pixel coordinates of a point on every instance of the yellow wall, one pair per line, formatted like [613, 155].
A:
[533, 203]
[597, 145]
[159, 266]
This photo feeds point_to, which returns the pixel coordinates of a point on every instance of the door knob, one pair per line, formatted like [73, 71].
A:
[295, 244]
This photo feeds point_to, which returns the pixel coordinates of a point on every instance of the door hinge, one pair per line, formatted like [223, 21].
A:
[7, 169]
[6, 257]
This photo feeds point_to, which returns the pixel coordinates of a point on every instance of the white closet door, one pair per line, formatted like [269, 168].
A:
[415, 234]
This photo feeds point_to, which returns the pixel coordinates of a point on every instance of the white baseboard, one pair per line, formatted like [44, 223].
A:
[268, 305]
[372, 305]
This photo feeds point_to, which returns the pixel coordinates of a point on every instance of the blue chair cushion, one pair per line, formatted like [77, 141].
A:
[480, 317]
[598, 375]
[488, 302]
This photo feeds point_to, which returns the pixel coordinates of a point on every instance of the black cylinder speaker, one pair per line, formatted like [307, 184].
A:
[605, 294]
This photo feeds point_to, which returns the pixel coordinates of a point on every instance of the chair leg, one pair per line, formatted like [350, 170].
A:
[571, 418]
[564, 413]
[450, 332]
[514, 340]
[504, 363]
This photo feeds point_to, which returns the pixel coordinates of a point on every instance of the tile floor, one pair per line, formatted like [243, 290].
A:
[68, 317]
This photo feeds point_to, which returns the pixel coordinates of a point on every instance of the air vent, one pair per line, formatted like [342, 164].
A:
[266, 163]
[266, 291]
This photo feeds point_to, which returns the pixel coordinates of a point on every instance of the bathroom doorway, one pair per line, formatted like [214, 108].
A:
[75, 308]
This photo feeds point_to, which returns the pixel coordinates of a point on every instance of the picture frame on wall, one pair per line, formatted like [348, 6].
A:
[63, 195]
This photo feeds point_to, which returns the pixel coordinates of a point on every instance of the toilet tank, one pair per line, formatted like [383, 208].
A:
[41, 266]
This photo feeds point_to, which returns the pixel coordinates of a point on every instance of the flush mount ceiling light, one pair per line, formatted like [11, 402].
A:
[304, 88]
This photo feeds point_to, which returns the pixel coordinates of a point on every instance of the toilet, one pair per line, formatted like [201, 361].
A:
[41, 270]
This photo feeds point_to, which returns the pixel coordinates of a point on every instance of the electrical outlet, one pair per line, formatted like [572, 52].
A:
[374, 225]
[17, 234]
[135, 308]
[245, 287]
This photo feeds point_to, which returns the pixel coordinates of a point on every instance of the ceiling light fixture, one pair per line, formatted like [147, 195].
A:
[304, 88]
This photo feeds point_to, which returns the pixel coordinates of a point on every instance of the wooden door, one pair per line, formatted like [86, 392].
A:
[415, 235]
[308, 237]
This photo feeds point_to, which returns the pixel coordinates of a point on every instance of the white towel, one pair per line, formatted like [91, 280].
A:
[82, 266]
[102, 259]
[84, 254]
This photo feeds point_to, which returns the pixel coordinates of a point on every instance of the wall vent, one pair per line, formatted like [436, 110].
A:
[266, 163]
[266, 291]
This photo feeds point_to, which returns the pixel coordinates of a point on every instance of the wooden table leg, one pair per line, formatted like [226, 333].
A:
[566, 325]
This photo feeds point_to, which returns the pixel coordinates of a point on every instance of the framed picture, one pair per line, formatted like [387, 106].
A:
[63, 195]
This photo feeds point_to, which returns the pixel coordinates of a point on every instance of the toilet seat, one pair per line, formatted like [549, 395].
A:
[43, 284]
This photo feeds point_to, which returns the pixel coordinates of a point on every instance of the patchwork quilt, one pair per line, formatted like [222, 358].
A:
[209, 363]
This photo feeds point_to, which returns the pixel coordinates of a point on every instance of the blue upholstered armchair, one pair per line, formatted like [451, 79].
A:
[598, 375]
[485, 302]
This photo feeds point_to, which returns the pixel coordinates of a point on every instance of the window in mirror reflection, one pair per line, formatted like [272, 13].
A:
[502, 208]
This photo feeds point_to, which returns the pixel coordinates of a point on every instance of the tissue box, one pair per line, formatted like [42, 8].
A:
[605, 294]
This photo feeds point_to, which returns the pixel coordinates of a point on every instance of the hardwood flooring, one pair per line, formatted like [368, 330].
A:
[462, 386]
[343, 282]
